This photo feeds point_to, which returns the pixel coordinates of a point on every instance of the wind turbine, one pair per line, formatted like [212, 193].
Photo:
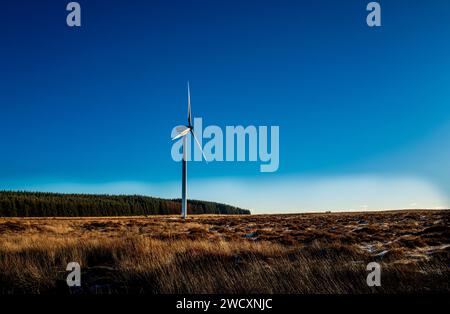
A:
[183, 131]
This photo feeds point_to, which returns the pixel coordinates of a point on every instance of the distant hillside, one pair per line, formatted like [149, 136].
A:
[36, 204]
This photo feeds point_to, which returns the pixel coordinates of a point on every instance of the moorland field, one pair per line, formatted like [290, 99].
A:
[297, 253]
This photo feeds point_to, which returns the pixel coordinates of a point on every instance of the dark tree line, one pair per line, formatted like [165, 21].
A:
[37, 204]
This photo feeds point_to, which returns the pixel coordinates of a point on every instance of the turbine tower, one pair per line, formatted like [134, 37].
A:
[183, 131]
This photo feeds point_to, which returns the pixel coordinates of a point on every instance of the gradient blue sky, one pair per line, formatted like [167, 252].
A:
[364, 113]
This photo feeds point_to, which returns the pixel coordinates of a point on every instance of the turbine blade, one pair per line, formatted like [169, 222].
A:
[177, 136]
[189, 105]
[182, 133]
[198, 144]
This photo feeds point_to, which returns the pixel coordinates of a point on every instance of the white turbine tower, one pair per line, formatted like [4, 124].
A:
[183, 131]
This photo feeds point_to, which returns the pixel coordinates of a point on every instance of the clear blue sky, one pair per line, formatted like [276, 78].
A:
[90, 109]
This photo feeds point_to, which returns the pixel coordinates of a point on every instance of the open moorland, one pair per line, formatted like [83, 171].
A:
[298, 253]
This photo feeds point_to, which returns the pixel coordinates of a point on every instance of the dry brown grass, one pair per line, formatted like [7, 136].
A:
[305, 253]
